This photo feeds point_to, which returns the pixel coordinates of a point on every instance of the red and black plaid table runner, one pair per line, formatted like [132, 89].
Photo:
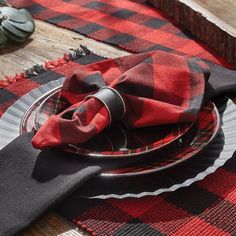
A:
[129, 24]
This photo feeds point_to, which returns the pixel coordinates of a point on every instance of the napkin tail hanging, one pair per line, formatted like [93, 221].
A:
[222, 81]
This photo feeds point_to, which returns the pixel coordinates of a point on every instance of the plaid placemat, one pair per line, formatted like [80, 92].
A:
[205, 208]
[129, 24]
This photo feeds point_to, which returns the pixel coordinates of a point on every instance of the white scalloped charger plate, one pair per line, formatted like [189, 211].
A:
[197, 168]
[10, 129]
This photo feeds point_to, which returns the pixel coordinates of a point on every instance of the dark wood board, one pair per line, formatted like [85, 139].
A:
[212, 21]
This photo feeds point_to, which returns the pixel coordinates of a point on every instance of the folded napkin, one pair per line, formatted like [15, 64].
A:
[146, 89]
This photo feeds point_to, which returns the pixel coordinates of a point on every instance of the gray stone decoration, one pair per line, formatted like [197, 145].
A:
[16, 25]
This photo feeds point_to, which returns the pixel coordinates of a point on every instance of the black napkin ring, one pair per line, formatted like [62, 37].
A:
[112, 100]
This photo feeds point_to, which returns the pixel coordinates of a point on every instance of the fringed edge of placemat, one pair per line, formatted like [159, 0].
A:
[48, 65]
[84, 227]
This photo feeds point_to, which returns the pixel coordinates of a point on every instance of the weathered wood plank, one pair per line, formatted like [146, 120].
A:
[224, 10]
[53, 225]
[47, 43]
[212, 21]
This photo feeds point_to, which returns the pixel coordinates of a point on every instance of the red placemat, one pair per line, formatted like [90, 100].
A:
[205, 208]
[132, 25]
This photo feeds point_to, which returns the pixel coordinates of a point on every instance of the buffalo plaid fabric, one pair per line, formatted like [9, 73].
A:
[206, 208]
[149, 83]
[129, 24]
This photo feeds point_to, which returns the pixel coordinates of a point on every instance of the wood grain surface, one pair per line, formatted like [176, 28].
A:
[53, 225]
[225, 10]
[47, 43]
[212, 21]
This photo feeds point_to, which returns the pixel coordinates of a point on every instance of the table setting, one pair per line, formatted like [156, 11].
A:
[137, 145]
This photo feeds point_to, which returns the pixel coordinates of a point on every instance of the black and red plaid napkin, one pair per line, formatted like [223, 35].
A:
[157, 88]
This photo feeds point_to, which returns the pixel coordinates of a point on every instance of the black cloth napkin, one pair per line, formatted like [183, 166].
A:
[221, 81]
[33, 181]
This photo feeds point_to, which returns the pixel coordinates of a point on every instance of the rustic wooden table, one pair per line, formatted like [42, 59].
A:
[47, 43]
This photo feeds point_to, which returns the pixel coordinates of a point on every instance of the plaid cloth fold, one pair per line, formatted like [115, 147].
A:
[157, 88]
